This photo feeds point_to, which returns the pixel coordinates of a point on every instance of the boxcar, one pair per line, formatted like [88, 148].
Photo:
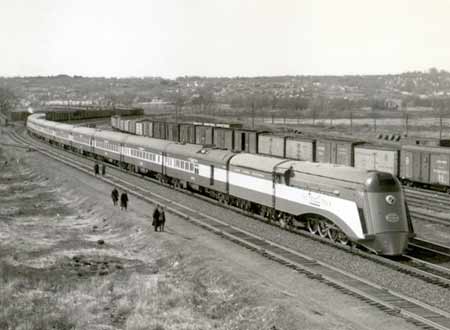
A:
[433, 142]
[126, 125]
[132, 126]
[115, 121]
[139, 128]
[300, 149]
[425, 165]
[147, 127]
[173, 132]
[204, 135]
[272, 145]
[223, 138]
[246, 140]
[335, 151]
[187, 133]
[380, 158]
[159, 130]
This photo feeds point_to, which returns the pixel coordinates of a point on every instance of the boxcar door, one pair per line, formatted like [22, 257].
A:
[407, 164]
[416, 164]
[425, 167]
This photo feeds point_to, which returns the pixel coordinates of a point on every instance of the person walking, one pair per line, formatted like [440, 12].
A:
[115, 196]
[161, 218]
[288, 175]
[103, 169]
[124, 201]
[96, 169]
[155, 222]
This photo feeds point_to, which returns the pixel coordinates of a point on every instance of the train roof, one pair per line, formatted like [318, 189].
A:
[350, 175]
[65, 127]
[435, 149]
[200, 152]
[257, 162]
[110, 136]
[326, 170]
[146, 142]
[84, 130]
[378, 147]
[36, 116]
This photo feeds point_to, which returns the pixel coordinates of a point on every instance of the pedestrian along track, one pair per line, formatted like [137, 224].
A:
[417, 312]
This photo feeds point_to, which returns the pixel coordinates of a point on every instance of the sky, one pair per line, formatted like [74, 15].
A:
[171, 38]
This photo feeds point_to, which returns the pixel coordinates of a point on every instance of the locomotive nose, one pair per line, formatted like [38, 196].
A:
[388, 215]
[391, 243]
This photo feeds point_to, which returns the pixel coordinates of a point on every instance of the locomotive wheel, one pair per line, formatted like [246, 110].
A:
[313, 226]
[221, 198]
[263, 211]
[337, 235]
[322, 229]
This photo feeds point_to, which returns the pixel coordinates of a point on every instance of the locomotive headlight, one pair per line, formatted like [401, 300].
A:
[390, 199]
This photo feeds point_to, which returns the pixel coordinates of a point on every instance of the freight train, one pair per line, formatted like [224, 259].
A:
[340, 202]
[425, 165]
[64, 113]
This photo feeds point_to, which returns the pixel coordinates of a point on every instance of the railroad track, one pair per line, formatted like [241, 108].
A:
[436, 202]
[430, 248]
[391, 302]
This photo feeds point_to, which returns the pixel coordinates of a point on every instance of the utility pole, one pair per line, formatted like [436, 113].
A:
[351, 122]
[177, 101]
[406, 123]
[253, 114]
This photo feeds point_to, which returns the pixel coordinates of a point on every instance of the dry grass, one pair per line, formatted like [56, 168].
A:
[131, 282]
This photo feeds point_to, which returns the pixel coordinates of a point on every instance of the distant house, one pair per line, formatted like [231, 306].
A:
[393, 104]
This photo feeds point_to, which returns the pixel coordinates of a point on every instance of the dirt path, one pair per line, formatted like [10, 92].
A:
[70, 260]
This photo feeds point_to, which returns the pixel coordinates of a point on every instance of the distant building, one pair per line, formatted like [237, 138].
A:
[69, 102]
[393, 104]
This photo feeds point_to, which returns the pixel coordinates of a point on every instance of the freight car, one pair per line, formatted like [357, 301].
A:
[339, 202]
[187, 133]
[380, 158]
[300, 148]
[83, 113]
[336, 151]
[272, 145]
[224, 138]
[412, 164]
[428, 167]
[246, 140]
[204, 135]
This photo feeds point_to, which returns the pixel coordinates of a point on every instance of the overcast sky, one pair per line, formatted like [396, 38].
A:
[172, 38]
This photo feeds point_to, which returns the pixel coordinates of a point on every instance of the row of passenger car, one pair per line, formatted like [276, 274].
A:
[339, 202]
[414, 164]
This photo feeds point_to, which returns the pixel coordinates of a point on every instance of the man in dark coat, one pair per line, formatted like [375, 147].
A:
[115, 196]
[155, 222]
[123, 201]
[161, 219]
[288, 175]
[103, 169]
[96, 169]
